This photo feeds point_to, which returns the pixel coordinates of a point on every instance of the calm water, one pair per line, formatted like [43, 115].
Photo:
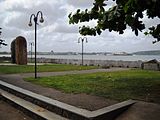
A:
[99, 57]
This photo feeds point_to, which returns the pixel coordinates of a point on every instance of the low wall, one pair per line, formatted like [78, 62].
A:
[151, 66]
[106, 63]
[2, 59]
[103, 63]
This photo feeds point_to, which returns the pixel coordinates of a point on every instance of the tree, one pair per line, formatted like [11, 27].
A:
[2, 41]
[117, 18]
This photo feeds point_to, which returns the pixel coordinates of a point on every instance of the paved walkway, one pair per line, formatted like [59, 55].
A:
[7, 112]
[139, 111]
[85, 101]
[43, 74]
[10, 64]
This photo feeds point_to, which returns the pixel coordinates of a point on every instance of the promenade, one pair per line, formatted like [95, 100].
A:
[139, 111]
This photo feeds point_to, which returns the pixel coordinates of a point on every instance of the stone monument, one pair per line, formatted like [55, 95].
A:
[19, 51]
[13, 53]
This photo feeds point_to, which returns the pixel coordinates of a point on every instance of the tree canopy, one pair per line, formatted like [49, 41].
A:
[124, 13]
[2, 41]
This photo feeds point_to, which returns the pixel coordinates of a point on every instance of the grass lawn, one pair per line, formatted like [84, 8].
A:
[10, 69]
[121, 85]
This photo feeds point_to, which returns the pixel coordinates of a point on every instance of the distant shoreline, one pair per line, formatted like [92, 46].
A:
[151, 52]
[97, 57]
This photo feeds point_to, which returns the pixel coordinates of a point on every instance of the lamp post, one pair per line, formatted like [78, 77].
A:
[35, 19]
[31, 44]
[80, 39]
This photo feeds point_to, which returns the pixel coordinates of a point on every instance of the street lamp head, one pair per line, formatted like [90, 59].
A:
[31, 43]
[79, 39]
[85, 39]
[41, 19]
[30, 24]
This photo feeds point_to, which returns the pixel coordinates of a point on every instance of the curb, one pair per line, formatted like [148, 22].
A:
[66, 110]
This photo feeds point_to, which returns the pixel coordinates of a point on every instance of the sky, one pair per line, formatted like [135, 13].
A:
[56, 34]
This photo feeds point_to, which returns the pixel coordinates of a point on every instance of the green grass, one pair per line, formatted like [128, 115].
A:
[121, 85]
[10, 69]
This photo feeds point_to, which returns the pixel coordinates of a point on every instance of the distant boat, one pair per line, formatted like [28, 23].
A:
[122, 54]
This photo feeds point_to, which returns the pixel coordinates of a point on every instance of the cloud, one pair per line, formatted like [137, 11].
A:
[80, 3]
[56, 34]
[63, 28]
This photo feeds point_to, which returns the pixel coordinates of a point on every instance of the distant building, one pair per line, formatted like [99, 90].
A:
[151, 65]
[121, 54]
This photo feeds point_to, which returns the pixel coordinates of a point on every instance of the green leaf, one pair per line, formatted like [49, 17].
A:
[78, 10]
[146, 33]
[70, 15]
[124, 12]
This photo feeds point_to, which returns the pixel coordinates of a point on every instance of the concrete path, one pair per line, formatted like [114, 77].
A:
[86, 101]
[142, 111]
[10, 64]
[42, 74]
[7, 112]
[139, 111]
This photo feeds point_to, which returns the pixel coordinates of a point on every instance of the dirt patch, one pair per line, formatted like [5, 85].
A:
[7, 112]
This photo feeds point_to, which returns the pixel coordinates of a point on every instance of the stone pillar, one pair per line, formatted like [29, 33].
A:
[13, 52]
[19, 51]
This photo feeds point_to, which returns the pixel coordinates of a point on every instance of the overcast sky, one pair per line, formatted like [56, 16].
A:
[56, 34]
